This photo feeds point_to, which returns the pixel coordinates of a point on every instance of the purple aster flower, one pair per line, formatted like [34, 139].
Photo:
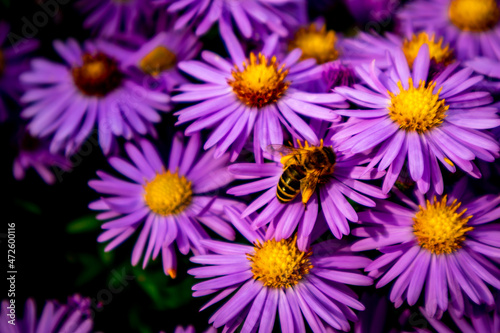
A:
[74, 317]
[67, 100]
[256, 95]
[406, 116]
[13, 61]
[471, 27]
[190, 329]
[441, 245]
[110, 17]
[34, 153]
[253, 18]
[170, 203]
[368, 11]
[272, 276]
[282, 181]
[157, 58]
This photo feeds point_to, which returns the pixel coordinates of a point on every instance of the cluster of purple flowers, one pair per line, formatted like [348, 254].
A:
[310, 145]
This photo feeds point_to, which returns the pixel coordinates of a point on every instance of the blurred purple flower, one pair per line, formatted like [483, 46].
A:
[446, 243]
[190, 329]
[489, 68]
[254, 18]
[367, 11]
[110, 17]
[470, 27]
[14, 60]
[34, 153]
[478, 318]
[366, 47]
[74, 317]
[378, 318]
[327, 48]
[170, 203]
[404, 116]
[156, 59]
[67, 100]
[338, 75]
[270, 276]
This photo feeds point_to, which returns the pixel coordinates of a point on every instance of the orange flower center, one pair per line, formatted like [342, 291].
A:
[439, 228]
[315, 43]
[157, 61]
[98, 76]
[279, 264]
[261, 82]
[474, 15]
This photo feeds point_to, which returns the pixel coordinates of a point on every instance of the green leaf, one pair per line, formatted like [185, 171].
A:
[106, 257]
[91, 268]
[136, 323]
[29, 206]
[178, 295]
[83, 224]
[163, 291]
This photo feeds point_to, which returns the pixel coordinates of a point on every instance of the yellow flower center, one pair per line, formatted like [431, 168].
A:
[279, 264]
[438, 53]
[261, 82]
[157, 61]
[315, 43]
[168, 193]
[98, 76]
[474, 15]
[417, 109]
[2, 63]
[439, 228]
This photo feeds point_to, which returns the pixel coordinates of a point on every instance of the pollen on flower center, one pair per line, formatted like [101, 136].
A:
[279, 264]
[168, 193]
[315, 43]
[438, 53]
[474, 15]
[98, 76]
[158, 60]
[439, 228]
[417, 109]
[261, 82]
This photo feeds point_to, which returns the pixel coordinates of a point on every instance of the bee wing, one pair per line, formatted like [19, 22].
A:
[279, 150]
[282, 150]
[308, 186]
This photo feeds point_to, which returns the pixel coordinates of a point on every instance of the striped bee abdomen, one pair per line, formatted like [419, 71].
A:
[289, 183]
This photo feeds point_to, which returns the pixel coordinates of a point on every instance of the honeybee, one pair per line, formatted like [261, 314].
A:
[303, 169]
